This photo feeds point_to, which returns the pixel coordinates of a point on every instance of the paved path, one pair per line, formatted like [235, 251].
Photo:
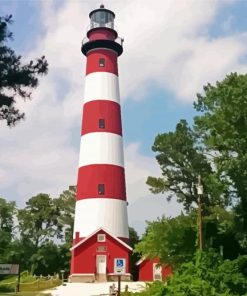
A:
[95, 289]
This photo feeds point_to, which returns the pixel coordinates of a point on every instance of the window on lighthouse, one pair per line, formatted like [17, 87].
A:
[101, 189]
[102, 62]
[101, 123]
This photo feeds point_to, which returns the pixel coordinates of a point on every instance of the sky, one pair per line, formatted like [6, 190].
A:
[171, 49]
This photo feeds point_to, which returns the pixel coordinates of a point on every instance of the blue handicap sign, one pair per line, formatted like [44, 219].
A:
[120, 263]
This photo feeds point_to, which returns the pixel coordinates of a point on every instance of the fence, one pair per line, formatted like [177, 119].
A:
[38, 284]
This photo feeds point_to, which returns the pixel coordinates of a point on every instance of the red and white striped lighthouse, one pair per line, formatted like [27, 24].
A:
[101, 232]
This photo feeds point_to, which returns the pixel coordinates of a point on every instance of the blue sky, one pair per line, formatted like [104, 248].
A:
[171, 49]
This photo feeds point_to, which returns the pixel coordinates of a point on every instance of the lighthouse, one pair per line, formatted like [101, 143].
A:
[100, 250]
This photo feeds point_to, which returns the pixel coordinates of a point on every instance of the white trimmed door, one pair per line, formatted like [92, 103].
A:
[157, 272]
[101, 264]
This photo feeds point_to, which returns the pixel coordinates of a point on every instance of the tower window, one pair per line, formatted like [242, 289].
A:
[102, 62]
[101, 123]
[101, 189]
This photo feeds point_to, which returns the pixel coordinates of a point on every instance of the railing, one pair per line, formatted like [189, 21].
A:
[119, 40]
[109, 25]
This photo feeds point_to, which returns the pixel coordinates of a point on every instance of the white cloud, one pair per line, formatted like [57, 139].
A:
[144, 206]
[166, 42]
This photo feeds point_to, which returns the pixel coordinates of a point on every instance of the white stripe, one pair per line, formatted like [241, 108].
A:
[101, 148]
[94, 213]
[101, 86]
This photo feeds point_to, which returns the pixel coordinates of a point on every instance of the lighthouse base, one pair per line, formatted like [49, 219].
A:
[92, 278]
[82, 278]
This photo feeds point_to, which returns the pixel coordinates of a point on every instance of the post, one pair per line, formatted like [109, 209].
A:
[18, 280]
[119, 285]
[199, 192]
[62, 275]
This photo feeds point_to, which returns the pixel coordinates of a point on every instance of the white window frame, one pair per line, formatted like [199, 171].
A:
[101, 238]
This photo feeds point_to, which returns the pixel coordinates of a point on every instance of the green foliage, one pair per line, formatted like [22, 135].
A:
[154, 289]
[207, 275]
[38, 222]
[134, 256]
[215, 148]
[66, 207]
[5, 288]
[181, 160]
[173, 240]
[45, 233]
[7, 212]
[16, 79]
[222, 127]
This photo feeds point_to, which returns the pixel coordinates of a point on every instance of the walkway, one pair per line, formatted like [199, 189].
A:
[94, 289]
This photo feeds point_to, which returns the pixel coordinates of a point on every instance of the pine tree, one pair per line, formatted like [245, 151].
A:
[17, 79]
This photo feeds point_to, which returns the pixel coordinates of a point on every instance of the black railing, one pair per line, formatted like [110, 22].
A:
[118, 40]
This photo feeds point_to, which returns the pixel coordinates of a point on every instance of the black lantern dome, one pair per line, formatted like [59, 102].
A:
[102, 33]
[102, 17]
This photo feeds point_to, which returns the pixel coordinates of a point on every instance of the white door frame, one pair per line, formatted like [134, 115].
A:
[101, 264]
[157, 270]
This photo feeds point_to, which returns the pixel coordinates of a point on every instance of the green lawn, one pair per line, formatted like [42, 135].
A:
[25, 294]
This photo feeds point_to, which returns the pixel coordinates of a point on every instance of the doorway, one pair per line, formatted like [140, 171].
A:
[157, 272]
[101, 264]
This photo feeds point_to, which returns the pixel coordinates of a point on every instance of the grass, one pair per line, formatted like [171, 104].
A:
[29, 285]
[25, 294]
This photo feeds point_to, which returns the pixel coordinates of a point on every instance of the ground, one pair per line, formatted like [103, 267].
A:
[95, 289]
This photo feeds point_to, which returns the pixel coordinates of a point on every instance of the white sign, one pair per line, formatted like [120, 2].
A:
[120, 265]
[9, 268]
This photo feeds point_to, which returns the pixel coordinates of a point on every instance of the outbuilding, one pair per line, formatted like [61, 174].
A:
[151, 270]
[100, 257]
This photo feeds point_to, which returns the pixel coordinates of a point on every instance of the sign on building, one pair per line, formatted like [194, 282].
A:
[120, 265]
[9, 269]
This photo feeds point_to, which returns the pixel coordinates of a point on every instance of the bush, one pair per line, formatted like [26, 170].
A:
[6, 288]
[208, 274]
[154, 289]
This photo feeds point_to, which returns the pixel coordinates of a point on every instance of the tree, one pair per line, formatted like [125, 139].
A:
[207, 274]
[222, 127]
[173, 240]
[38, 221]
[66, 207]
[7, 212]
[134, 257]
[182, 160]
[16, 79]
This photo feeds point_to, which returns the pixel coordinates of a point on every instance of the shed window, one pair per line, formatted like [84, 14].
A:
[101, 237]
[101, 123]
[102, 62]
[101, 189]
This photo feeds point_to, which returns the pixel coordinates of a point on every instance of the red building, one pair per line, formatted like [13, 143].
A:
[151, 270]
[97, 253]
[101, 202]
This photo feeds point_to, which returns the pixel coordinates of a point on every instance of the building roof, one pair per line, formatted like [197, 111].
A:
[143, 258]
[95, 232]
[140, 261]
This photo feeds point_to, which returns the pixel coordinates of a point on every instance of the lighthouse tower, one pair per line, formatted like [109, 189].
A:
[100, 243]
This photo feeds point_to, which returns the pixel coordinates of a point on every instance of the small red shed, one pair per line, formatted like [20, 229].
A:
[151, 270]
[96, 256]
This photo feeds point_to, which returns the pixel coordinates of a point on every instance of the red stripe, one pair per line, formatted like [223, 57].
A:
[102, 34]
[112, 176]
[110, 61]
[109, 111]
